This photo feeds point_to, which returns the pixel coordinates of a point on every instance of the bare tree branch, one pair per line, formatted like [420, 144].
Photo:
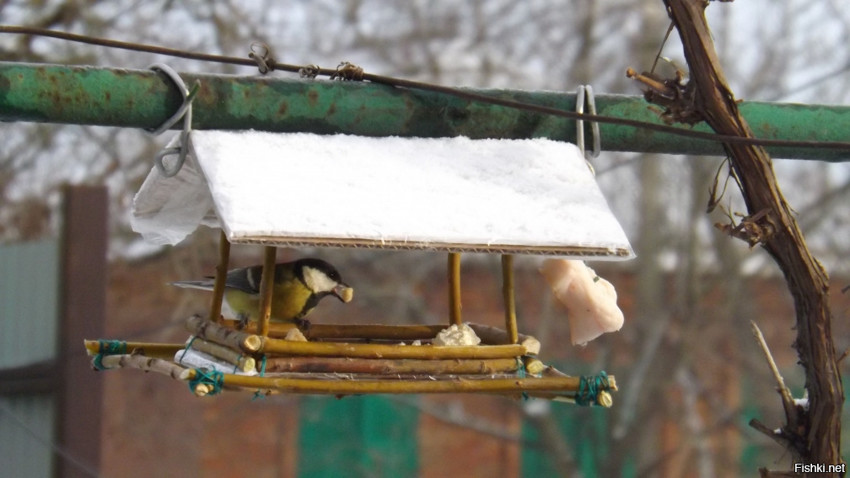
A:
[820, 429]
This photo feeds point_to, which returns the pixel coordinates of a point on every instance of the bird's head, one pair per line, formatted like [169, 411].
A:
[323, 279]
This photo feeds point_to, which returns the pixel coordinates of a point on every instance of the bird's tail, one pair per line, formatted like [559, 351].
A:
[194, 284]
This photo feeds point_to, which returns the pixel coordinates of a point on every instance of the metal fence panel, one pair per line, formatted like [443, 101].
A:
[29, 297]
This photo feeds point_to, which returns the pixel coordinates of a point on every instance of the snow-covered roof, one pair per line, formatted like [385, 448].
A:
[509, 196]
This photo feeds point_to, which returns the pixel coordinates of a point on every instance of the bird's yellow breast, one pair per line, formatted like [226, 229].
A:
[289, 301]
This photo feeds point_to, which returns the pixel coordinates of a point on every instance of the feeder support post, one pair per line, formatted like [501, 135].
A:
[509, 297]
[267, 289]
[220, 277]
[454, 289]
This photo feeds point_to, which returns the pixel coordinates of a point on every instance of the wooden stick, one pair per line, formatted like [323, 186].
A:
[454, 289]
[276, 329]
[242, 362]
[493, 335]
[350, 331]
[388, 366]
[354, 386]
[234, 339]
[147, 364]
[604, 399]
[413, 377]
[510, 300]
[220, 277]
[148, 349]
[489, 335]
[374, 331]
[266, 289]
[426, 352]
[550, 371]
[533, 366]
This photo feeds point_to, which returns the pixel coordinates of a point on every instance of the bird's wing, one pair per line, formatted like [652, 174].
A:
[194, 284]
[246, 280]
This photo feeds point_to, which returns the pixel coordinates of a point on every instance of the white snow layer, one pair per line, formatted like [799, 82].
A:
[534, 196]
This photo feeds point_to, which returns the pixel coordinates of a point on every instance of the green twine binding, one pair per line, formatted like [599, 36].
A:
[108, 347]
[188, 346]
[259, 394]
[520, 368]
[207, 377]
[589, 387]
[521, 372]
[112, 347]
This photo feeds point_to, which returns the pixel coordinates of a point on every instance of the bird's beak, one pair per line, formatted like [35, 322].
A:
[343, 293]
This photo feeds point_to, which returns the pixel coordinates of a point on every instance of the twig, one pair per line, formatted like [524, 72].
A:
[148, 349]
[426, 352]
[765, 473]
[243, 362]
[769, 432]
[389, 366]
[787, 400]
[147, 364]
[351, 386]
[222, 335]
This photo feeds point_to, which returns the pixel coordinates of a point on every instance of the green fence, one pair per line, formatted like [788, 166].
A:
[370, 436]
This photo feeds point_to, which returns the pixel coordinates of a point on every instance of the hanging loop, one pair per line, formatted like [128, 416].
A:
[185, 112]
[261, 53]
[584, 94]
[580, 121]
[594, 125]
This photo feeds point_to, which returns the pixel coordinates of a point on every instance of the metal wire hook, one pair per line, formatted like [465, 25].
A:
[586, 92]
[265, 61]
[185, 112]
[594, 125]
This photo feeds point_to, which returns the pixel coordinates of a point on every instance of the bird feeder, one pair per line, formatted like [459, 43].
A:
[454, 195]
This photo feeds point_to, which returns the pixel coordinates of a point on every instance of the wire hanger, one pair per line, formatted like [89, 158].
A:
[185, 112]
[585, 92]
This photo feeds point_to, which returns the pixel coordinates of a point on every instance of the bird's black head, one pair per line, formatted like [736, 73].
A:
[322, 279]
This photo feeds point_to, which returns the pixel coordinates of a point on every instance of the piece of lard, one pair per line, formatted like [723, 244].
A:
[590, 300]
[457, 335]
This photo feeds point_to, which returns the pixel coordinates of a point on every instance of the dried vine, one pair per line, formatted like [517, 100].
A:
[813, 434]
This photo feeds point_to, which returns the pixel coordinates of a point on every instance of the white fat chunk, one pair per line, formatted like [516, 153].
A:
[590, 300]
[457, 335]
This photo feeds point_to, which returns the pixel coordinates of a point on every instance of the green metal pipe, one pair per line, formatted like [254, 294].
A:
[145, 99]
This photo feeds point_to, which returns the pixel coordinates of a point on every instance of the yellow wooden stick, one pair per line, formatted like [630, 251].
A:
[149, 349]
[426, 352]
[266, 289]
[510, 300]
[454, 289]
[389, 366]
[220, 277]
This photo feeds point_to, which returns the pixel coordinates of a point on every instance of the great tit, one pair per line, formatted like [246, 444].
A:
[298, 288]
